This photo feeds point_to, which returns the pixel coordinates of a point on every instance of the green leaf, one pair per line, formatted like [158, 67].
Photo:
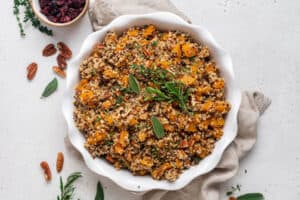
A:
[50, 88]
[251, 196]
[134, 84]
[157, 127]
[99, 193]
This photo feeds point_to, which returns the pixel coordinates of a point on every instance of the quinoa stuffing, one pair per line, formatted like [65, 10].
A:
[150, 101]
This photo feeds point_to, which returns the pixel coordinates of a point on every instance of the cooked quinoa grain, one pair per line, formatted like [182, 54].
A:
[175, 80]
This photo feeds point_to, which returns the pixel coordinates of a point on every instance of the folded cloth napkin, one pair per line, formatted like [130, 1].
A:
[205, 187]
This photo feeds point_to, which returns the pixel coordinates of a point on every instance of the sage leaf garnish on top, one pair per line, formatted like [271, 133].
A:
[99, 193]
[50, 88]
[134, 84]
[157, 127]
[251, 196]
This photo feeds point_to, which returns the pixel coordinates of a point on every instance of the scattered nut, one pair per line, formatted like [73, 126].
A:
[47, 172]
[31, 70]
[59, 71]
[49, 50]
[64, 50]
[59, 161]
[61, 61]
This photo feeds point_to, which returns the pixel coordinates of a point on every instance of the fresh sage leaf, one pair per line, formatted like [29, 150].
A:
[134, 84]
[157, 127]
[50, 88]
[251, 196]
[99, 193]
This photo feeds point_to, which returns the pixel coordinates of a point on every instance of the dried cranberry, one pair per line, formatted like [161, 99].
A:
[61, 11]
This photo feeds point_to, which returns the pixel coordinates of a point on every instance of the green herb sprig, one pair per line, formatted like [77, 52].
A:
[28, 16]
[134, 84]
[67, 189]
[99, 193]
[170, 91]
[158, 128]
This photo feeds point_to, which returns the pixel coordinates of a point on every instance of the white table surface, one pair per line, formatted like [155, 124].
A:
[263, 37]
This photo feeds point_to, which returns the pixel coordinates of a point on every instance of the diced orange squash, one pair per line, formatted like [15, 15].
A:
[142, 136]
[189, 50]
[206, 106]
[217, 122]
[133, 32]
[133, 122]
[164, 64]
[118, 149]
[158, 172]
[82, 84]
[147, 161]
[210, 67]
[86, 96]
[123, 140]
[183, 144]
[110, 73]
[168, 127]
[219, 84]
[191, 127]
[106, 104]
[187, 80]
[109, 119]
[96, 138]
[203, 90]
[194, 69]
[177, 50]
[148, 30]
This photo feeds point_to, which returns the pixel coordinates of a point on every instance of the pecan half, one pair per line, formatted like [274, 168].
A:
[31, 70]
[47, 172]
[59, 161]
[61, 61]
[49, 50]
[59, 71]
[64, 50]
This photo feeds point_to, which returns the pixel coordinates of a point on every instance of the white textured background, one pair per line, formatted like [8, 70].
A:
[263, 37]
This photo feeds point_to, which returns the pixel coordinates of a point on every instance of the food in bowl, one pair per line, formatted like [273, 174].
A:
[61, 11]
[150, 101]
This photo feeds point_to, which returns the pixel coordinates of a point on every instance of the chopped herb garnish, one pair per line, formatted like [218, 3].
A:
[98, 119]
[119, 99]
[134, 84]
[154, 43]
[158, 128]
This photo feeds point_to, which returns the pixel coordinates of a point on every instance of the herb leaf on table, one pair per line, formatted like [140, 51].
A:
[251, 196]
[100, 193]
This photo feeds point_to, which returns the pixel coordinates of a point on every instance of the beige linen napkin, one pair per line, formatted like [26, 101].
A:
[205, 187]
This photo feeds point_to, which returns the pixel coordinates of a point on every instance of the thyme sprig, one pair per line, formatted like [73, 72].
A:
[28, 16]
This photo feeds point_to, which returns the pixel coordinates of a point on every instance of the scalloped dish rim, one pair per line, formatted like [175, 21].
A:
[123, 178]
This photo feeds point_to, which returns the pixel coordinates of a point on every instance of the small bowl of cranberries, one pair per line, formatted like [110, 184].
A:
[59, 12]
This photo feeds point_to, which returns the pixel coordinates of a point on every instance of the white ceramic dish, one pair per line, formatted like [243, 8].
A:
[164, 21]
